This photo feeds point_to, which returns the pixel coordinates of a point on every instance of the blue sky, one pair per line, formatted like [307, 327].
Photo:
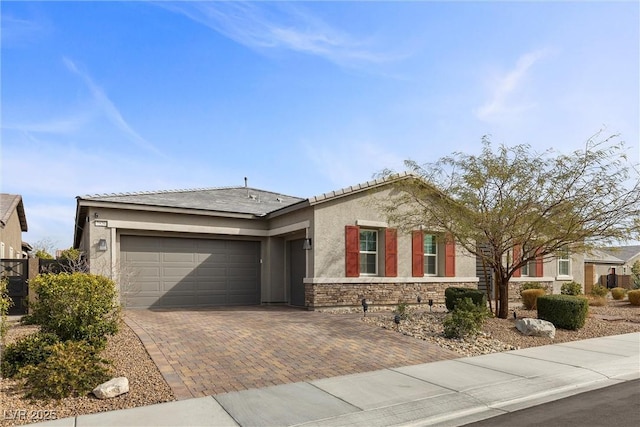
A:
[300, 97]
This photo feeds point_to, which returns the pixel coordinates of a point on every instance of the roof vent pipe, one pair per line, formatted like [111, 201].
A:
[245, 186]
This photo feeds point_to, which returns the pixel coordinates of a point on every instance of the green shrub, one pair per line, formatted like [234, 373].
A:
[571, 288]
[453, 295]
[618, 293]
[599, 291]
[31, 349]
[466, 319]
[564, 311]
[529, 297]
[76, 306]
[634, 297]
[5, 305]
[72, 369]
[402, 310]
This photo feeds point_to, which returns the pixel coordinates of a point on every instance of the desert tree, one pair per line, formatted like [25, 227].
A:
[44, 248]
[510, 206]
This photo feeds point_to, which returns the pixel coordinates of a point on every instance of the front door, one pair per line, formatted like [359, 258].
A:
[297, 271]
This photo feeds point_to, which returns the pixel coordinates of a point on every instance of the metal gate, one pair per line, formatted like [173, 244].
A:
[16, 271]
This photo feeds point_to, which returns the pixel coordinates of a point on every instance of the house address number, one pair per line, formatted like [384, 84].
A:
[100, 223]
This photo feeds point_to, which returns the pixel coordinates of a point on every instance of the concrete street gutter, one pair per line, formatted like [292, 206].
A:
[446, 393]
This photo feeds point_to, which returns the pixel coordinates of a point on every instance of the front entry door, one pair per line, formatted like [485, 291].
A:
[297, 271]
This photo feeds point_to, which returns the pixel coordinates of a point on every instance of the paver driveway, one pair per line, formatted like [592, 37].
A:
[206, 352]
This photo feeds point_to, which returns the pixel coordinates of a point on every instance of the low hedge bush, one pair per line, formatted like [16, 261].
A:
[564, 311]
[453, 294]
[529, 297]
[618, 293]
[76, 306]
[634, 297]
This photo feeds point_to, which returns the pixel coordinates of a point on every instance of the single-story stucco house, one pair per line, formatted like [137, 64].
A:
[617, 261]
[241, 245]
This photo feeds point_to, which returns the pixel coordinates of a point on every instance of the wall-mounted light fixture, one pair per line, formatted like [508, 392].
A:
[95, 215]
[102, 244]
[306, 245]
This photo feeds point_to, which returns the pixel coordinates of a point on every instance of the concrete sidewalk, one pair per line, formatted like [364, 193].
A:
[451, 392]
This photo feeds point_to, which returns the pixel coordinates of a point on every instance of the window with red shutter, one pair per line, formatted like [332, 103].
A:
[539, 266]
[449, 257]
[517, 256]
[417, 253]
[391, 252]
[352, 250]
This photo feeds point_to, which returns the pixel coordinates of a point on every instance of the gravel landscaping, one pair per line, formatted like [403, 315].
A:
[130, 359]
[617, 317]
[147, 386]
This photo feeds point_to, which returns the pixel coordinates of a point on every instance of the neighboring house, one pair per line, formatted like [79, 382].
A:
[614, 260]
[13, 222]
[240, 245]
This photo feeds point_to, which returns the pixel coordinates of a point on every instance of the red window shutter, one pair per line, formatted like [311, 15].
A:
[390, 252]
[352, 250]
[450, 257]
[417, 254]
[517, 255]
[539, 265]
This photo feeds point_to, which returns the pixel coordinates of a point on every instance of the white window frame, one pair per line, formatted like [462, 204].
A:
[428, 255]
[564, 257]
[369, 252]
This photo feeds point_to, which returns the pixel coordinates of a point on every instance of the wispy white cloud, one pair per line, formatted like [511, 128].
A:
[18, 32]
[108, 108]
[502, 102]
[59, 125]
[281, 26]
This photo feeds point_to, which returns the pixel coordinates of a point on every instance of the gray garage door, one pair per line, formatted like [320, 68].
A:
[176, 272]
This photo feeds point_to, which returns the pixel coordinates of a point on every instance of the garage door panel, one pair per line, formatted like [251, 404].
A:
[211, 258]
[142, 257]
[180, 272]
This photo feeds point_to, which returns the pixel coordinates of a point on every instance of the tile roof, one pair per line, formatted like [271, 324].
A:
[623, 252]
[10, 203]
[359, 187]
[244, 200]
[602, 257]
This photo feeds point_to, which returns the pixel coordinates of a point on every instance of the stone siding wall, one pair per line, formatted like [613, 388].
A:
[324, 295]
[514, 290]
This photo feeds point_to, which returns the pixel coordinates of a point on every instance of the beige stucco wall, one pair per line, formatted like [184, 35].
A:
[329, 234]
[11, 236]
[550, 270]
[121, 222]
[626, 268]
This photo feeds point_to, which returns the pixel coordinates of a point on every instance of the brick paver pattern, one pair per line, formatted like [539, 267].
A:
[211, 351]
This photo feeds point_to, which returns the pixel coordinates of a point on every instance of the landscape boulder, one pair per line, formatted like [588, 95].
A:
[112, 388]
[536, 327]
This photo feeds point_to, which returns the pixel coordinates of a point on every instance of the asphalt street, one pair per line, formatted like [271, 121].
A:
[617, 405]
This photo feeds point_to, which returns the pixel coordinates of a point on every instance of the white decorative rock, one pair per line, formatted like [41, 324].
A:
[112, 388]
[536, 327]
